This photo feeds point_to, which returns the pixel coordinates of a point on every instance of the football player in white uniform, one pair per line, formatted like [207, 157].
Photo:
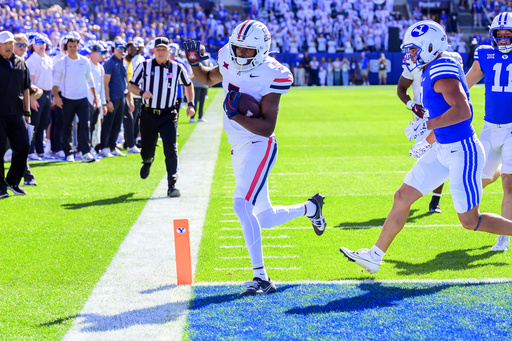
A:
[245, 66]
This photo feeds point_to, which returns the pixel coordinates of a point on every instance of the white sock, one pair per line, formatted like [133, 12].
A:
[260, 273]
[251, 229]
[436, 194]
[376, 253]
[310, 209]
[277, 215]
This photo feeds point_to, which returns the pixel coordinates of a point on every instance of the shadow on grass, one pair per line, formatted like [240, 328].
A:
[450, 260]
[111, 201]
[58, 321]
[376, 296]
[378, 222]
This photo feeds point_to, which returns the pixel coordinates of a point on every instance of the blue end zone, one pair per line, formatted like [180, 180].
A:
[414, 311]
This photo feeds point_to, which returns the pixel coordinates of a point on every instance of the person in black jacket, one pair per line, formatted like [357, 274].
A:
[14, 114]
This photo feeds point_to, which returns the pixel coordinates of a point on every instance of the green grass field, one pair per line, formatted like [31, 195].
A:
[346, 143]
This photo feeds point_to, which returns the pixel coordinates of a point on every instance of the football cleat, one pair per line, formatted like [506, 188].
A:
[258, 286]
[502, 244]
[434, 209]
[362, 258]
[318, 219]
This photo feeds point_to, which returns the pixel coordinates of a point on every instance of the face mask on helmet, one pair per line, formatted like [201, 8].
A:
[429, 38]
[503, 21]
[250, 34]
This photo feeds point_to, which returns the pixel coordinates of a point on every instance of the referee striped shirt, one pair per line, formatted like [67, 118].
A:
[162, 80]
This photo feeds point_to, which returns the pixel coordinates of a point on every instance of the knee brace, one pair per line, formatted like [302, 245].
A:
[479, 221]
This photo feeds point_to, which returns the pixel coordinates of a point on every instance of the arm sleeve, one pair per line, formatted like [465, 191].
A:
[57, 73]
[280, 82]
[444, 69]
[137, 74]
[102, 87]
[183, 75]
[88, 75]
[108, 67]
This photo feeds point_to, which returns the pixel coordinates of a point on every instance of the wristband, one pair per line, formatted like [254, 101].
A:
[108, 100]
[191, 104]
[410, 104]
[141, 93]
[26, 113]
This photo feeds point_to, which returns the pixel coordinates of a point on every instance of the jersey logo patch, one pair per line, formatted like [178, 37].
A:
[490, 56]
[226, 65]
[419, 31]
[504, 56]
[252, 76]
[170, 75]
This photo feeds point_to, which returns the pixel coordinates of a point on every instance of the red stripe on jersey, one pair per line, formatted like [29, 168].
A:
[243, 26]
[283, 80]
[259, 171]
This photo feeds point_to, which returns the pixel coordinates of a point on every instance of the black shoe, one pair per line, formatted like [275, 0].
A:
[258, 287]
[144, 171]
[3, 193]
[173, 192]
[434, 204]
[16, 189]
[318, 219]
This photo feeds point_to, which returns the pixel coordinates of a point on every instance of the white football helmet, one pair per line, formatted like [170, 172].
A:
[250, 34]
[429, 38]
[502, 21]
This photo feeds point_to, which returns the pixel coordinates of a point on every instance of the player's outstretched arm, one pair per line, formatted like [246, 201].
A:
[267, 124]
[474, 74]
[401, 89]
[206, 75]
[455, 96]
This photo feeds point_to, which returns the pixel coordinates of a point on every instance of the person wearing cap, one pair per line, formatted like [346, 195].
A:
[130, 117]
[115, 81]
[200, 90]
[14, 114]
[40, 66]
[156, 81]
[97, 56]
[72, 80]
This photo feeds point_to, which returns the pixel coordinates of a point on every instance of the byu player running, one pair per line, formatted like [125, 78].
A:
[423, 143]
[495, 64]
[244, 66]
[457, 153]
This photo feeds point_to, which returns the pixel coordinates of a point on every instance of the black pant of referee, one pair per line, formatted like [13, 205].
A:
[165, 123]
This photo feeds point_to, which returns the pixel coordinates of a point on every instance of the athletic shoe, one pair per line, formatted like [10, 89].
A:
[87, 157]
[4, 194]
[502, 244]
[117, 152]
[201, 120]
[173, 192]
[47, 157]
[144, 171]
[435, 209]
[105, 152]
[318, 219]
[70, 158]
[16, 189]
[78, 156]
[192, 120]
[34, 157]
[31, 182]
[258, 287]
[61, 155]
[363, 258]
[133, 150]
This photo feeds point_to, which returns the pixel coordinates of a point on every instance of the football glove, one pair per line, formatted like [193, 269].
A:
[191, 48]
[416, 129]
[231, 104]
[417, 109]
[419, 149]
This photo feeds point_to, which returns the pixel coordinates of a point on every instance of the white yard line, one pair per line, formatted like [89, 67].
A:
[137, 297]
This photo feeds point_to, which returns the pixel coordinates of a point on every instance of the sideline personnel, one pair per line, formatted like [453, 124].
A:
[156, 81]
[14, 114]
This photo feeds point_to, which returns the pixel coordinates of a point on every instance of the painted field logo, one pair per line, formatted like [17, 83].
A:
[419, 31]
[181, 230]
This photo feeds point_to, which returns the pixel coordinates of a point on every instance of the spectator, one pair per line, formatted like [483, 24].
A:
[477, 13]
[330, 72]
[306, 62]
[365, 66]
[353, 71]
[322, 43]
[383, 73]
[337, 71]
[129, 119]
[96, 57]
[313, 73]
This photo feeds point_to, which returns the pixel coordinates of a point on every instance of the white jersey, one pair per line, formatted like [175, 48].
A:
[268, 77]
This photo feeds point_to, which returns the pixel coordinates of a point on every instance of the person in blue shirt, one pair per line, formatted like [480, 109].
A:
[457, 153]
[494, 64]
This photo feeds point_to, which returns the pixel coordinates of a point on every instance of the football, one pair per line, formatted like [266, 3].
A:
[249, 106]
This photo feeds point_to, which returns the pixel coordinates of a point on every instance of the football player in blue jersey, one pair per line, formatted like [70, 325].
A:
[457, 153]
[495, 64]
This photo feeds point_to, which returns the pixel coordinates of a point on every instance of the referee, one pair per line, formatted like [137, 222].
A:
[156, 81]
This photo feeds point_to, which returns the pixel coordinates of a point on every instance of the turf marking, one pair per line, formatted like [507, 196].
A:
[264, 246]
[137, 297]
[249, 268]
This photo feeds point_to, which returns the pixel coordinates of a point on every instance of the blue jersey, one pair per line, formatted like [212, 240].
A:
[445, 67]
[497, 70]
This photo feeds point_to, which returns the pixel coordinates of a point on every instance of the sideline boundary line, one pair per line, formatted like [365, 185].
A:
[137, 297]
